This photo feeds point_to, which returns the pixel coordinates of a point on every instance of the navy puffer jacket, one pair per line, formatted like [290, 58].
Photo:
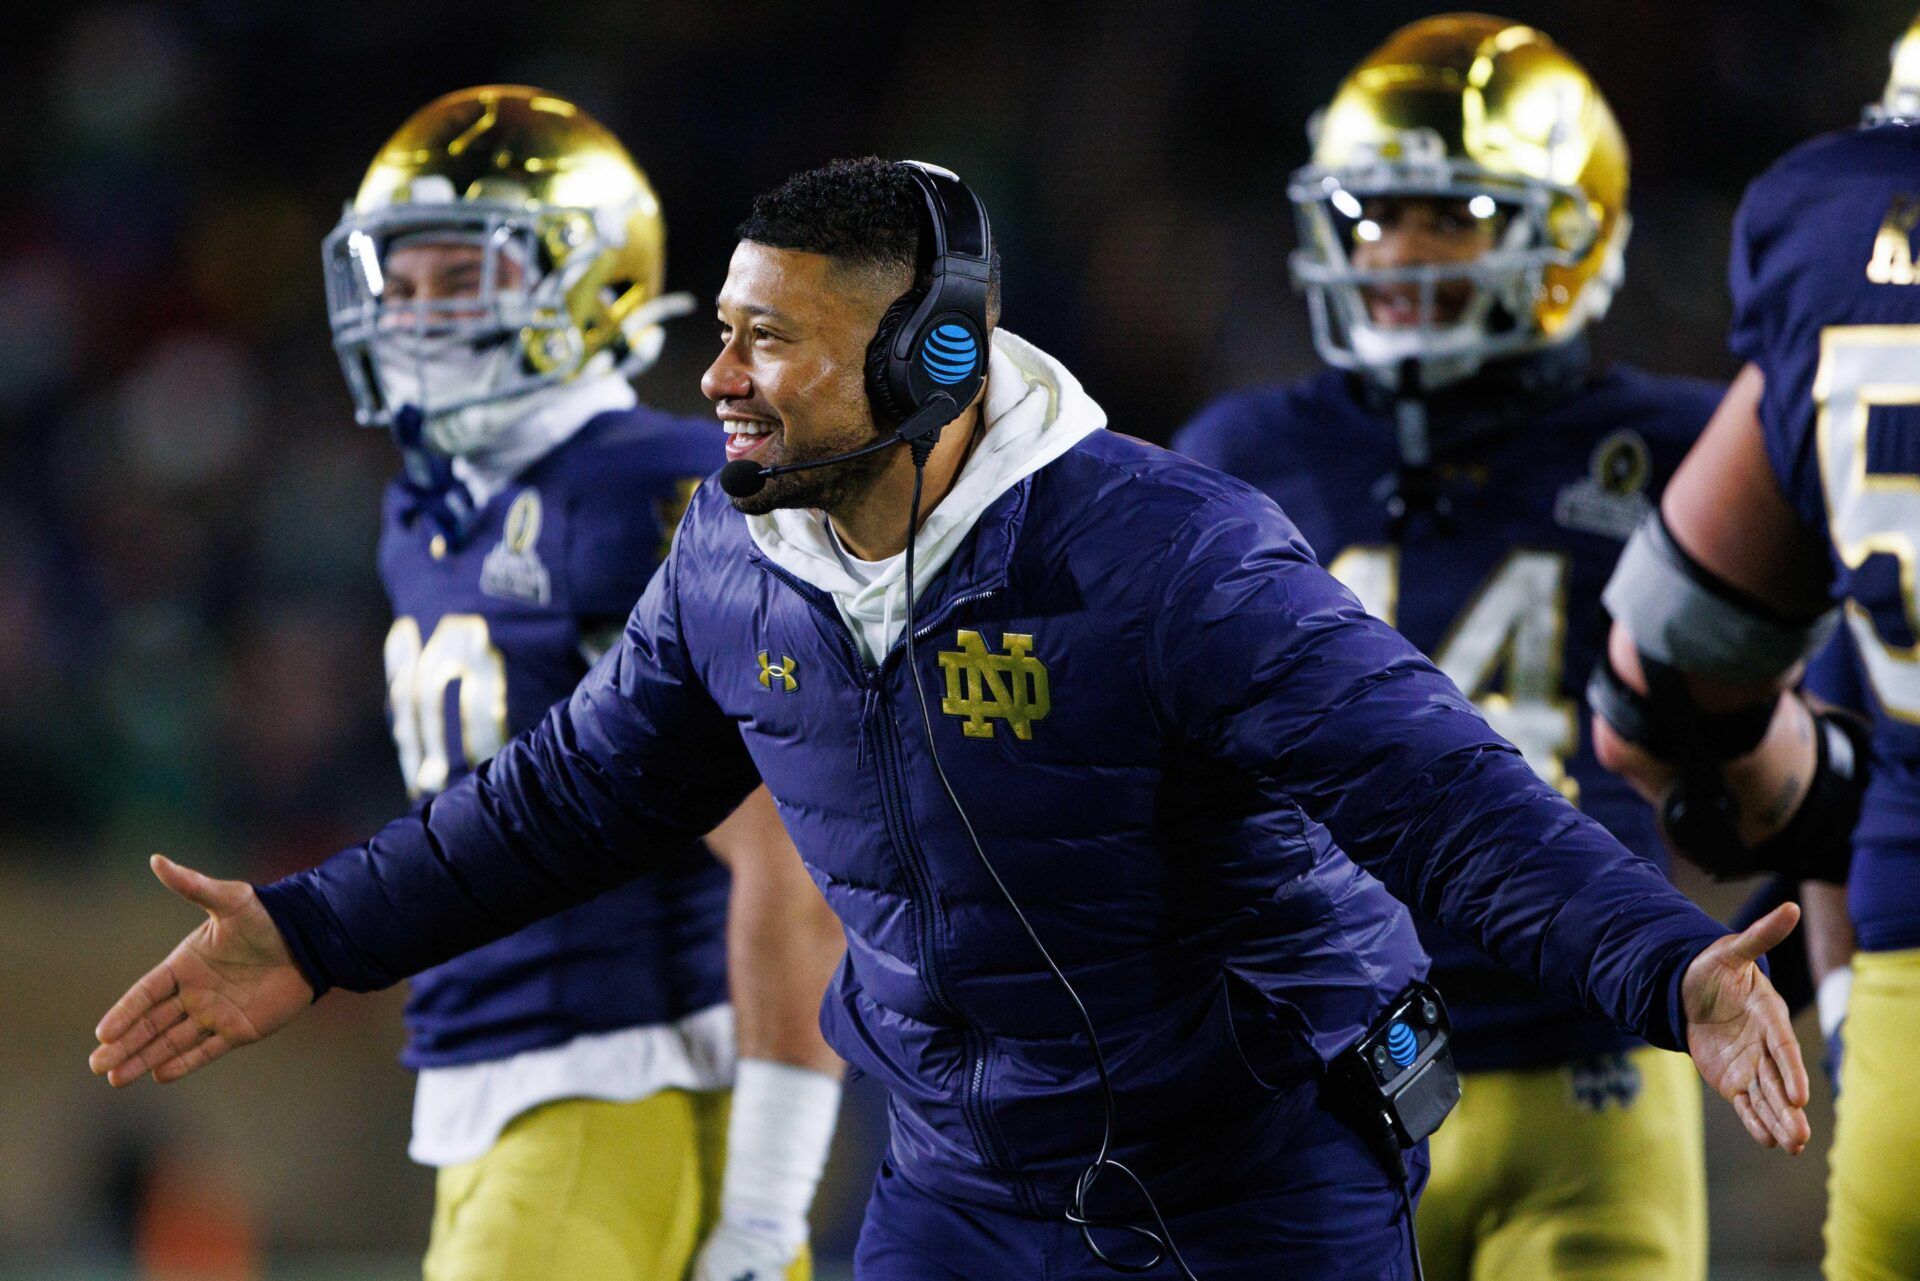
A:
[1156, 707]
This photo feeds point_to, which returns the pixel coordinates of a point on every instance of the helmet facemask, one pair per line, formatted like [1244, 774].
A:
[1466, 313]
[472, 362]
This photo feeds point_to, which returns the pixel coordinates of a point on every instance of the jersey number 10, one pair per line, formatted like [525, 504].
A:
[418, 680]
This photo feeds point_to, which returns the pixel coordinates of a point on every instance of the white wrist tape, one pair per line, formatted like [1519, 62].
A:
[782, 1123]
[1830, 999]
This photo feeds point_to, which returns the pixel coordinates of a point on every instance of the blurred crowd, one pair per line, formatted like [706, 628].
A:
[190, 622]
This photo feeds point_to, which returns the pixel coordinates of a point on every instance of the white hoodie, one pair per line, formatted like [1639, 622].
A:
[1035, 411]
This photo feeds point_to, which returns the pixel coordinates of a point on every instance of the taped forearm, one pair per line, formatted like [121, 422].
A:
[777, 1139]
[1681, 614]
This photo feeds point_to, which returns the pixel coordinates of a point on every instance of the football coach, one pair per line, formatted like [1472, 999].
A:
[1120, 673]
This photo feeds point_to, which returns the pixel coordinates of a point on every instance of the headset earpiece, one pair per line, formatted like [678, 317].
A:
[932, 341]
[887, 408]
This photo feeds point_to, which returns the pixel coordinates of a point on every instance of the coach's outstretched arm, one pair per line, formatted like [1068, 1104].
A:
[632, 769]
[1265, 661]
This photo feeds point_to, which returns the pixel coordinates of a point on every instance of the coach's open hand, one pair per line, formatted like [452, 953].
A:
[229, 982]
[1740, 1036]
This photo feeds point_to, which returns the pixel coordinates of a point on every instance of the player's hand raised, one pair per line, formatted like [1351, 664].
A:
[1741, 1037]
[229, 982]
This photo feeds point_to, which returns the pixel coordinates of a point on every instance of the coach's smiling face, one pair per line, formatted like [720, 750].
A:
[789, 383]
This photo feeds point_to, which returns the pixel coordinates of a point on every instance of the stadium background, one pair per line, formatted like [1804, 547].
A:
[190, 623]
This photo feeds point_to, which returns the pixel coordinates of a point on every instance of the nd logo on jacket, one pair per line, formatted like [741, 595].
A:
[983, 686]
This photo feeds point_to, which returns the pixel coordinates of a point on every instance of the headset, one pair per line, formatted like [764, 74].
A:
[928, 357]
[926, 363]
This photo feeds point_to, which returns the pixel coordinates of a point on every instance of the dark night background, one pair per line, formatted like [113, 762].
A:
[190, 622]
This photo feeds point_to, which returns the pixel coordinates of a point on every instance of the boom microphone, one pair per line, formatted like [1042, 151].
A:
[743, 478]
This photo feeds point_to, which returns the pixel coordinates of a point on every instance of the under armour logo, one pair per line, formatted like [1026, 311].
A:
[777, 676]
[751, 1274]
[983, 686]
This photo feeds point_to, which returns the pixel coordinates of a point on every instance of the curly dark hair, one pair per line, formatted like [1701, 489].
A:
[865, 212]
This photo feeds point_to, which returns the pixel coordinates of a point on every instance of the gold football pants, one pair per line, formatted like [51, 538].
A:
[1873, 1181]
[1592, 1170]
[587, 1190]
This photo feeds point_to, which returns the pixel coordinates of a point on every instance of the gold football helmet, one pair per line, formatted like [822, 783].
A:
[1493, 115]
[1900, 101]
[571, 265]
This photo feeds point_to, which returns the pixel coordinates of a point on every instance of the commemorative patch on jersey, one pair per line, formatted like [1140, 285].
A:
[1610, 500]
[984, 687]
[513, 570]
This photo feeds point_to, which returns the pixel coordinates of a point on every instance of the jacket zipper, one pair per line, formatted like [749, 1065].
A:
[980, 1122]
[973, 1102]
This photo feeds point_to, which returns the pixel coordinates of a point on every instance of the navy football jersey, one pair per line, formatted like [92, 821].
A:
[1827, 303]
[1506, 600]
[488, 636]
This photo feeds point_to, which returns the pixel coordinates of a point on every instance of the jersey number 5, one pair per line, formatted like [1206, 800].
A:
[1515, 628]
[418, 680]
[1862, 366]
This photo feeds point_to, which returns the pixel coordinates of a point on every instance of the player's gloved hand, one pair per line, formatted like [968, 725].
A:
[736, 1252]
[230, 982]
[1835, 991]
[1741, 1037]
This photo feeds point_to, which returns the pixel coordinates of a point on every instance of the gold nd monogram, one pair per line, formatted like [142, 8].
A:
[984, 686]
[778, 675]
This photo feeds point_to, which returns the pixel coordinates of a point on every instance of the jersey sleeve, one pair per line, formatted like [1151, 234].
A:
[1834, 675]
[1210, 436]
[1760, 278]
[638, 759]
[1818, 244]
[1268, 664]
[1754, 292]
[1679, 414]
[627, 501]
[1251, 435]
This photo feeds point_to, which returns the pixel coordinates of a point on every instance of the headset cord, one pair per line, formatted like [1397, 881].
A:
[1161, 1241]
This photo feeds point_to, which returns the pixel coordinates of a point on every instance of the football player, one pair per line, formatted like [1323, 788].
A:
[1470, 473]
[493, 286]
[1799, 508]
